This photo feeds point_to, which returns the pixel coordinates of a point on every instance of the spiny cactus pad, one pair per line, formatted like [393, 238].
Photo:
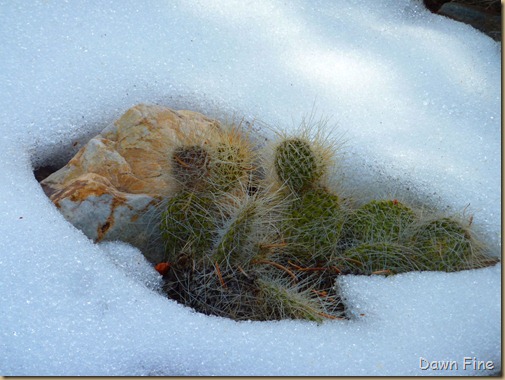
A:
[297, 164]
[230, 165]
[282, 300]
[380, 220]
[187, 225]
[314, 225]
[446, 244]
[232, 242]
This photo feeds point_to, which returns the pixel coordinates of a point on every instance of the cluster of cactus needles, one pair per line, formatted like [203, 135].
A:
[258, 233]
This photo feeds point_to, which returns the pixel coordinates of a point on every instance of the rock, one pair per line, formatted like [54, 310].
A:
[481, 19]
[114, 187]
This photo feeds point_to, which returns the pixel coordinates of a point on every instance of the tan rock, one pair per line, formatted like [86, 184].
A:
[113, 188]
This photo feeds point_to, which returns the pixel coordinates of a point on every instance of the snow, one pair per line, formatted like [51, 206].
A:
[416, 95]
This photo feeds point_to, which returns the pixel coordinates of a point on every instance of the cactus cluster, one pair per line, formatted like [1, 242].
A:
[274, 252]
[390, 231]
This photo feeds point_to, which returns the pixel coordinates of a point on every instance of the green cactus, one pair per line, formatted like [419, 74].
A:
[232, 159]
[275, 254]
[381, 258]
[229, 166]
[297, 164]
[282, 300]
[249, 225]
[447, 245]
[314, 226]
[379, 221]
[233, 240]
[187, 225]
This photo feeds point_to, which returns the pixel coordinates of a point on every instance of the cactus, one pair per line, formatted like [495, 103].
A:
[297, 165]
[274, 253]
[379, 258]
[250, 222]
[281, 300]
[187, 225]
[314, 225]
[233, 240]
[447, 245]
[190, 166]
[313, 228]
[232, 160]
[228, 167]
[217, 163]
[379, 221]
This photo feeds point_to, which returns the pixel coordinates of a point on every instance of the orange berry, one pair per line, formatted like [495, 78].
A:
[162, 268]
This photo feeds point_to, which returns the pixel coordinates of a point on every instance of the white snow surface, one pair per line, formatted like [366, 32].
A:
[416, 95]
